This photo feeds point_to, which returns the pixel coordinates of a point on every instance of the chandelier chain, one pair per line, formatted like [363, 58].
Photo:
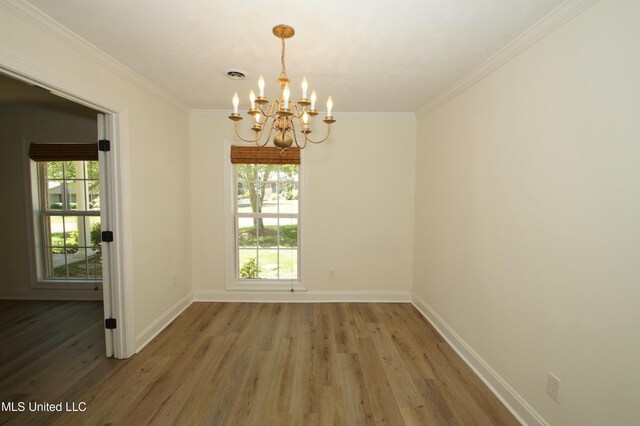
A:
[283, 73]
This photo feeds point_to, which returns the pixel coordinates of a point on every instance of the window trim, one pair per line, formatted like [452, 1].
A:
[36, 262]
[231, 259]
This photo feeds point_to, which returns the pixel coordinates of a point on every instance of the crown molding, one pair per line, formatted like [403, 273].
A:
[337, 115]
[377, 114]
[553, 20]
[48, 25]
[210, 112]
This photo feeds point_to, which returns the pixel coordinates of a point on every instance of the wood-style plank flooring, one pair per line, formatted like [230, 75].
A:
[242, 364]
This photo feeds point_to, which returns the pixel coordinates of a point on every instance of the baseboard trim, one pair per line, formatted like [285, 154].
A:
[38, 294]
[500, 388]
[156, 327]
[301, 296]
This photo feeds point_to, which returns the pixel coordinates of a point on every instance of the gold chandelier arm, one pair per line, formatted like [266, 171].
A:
[307, 139]
[296, 111]
[266, 141]
[270, 111]
[295, 137]
[258, 135]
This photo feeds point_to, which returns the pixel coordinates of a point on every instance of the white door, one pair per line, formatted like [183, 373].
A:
[105, 160]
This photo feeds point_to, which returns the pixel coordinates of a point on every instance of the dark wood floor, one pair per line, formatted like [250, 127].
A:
[242, 364]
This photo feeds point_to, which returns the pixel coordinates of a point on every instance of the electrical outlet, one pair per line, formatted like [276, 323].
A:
[553, 386]
[332, 273]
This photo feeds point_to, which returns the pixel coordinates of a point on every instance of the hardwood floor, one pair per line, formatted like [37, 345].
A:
[242, 364]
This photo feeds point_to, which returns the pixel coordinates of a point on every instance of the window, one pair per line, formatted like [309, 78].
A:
[266, 215]
[67, 218]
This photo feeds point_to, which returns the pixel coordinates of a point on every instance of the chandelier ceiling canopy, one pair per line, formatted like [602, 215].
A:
[290, 120]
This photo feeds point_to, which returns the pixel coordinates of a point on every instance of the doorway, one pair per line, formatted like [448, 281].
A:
[33, 115]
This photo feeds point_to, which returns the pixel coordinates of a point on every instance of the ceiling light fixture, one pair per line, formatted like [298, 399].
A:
[281, 115]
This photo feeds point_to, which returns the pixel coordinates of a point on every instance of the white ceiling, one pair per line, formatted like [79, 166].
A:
[370, 55]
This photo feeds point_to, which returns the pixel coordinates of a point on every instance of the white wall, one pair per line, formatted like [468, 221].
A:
[359, 204]
[18, 125]
[528, 217]
[155, 141]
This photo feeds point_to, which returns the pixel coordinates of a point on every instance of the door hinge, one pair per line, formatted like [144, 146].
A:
[104, 145]
[107, 236]
[110, 323]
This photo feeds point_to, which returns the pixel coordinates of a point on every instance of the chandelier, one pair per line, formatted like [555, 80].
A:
[289, 120]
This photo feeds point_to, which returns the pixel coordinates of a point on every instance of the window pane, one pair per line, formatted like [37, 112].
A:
[83, 226]
[267, 232]
[246, 232]
[246, 172]
[243, 204]
[54, 170]
[72, 224]
[69, 169]
[288, 232]
[73, 197]
[94, 253]
[95, 263]
[268, 264]
[93, 194]
[289, 197]
[55, 228]
[288, 264]
[94, 233]
[93, 170]
[270, 203]
[54, 194]
[248, 263]
[77, 264]
[57, 264]
[256, 184]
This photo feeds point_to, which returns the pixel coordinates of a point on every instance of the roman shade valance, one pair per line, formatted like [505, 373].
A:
[63, 151]
[263, 155]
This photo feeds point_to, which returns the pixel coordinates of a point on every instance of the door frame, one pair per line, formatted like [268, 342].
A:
[118, 290]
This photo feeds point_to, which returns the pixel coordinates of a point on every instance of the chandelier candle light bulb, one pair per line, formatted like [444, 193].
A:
[236, 102]
[290, 120]
[312, 108]
[286, 94]
[257, 126]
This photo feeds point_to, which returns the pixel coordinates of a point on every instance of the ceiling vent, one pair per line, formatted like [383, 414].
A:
[235, 74]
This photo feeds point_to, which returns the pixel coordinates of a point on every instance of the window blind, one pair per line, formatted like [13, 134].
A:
[63, 151]
[264, 155]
